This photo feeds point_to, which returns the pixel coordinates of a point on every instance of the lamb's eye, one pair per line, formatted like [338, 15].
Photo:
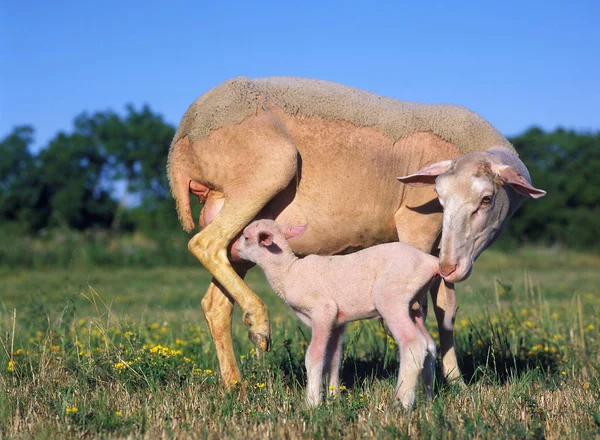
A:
[486, 200]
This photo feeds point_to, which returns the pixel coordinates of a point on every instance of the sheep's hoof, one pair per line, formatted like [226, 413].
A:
[259, 332]
[261, 341]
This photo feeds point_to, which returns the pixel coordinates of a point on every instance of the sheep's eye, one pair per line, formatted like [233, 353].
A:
[486, 200]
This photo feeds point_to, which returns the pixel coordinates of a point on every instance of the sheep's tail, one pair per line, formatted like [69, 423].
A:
[450, 305]
[179, 180]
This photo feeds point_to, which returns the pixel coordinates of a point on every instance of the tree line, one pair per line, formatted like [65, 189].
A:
[108, 173]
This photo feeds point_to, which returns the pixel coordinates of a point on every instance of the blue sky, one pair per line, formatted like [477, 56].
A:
[517, 63]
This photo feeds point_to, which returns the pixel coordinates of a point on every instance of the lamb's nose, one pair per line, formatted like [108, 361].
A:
[447, 269]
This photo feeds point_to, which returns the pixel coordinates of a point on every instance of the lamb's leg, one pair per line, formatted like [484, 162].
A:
[413, 346]
[449, 362]
[322, 323]
[334, 359]
[422, 232]
[420, 314]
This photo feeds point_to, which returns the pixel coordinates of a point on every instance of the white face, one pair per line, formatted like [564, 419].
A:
[244, 247]
[475, 209]
[479, 191]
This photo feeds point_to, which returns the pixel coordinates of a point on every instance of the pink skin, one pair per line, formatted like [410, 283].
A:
[387, 281]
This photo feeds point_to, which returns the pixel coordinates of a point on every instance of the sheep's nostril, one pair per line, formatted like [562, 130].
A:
[447, 269]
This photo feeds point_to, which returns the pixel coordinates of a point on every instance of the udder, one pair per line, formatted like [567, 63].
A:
[281, 204]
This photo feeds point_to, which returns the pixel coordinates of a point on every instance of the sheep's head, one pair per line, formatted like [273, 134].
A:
[479, 192]
[265, 236]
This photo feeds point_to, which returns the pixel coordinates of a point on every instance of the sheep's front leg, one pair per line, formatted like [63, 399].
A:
[322, 323]
[333, 359]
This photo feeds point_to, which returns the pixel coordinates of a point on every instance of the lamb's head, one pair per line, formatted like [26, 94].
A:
[265, 237]
[479, 192]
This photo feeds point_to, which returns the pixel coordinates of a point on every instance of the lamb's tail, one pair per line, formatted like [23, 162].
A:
[450, 305]
[178, 162]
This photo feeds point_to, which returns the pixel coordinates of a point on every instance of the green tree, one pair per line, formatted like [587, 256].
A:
[18, 195]
[75, 180]
[137, 144]
[567, 165]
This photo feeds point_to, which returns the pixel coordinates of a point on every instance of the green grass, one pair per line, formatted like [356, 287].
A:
[126, 352]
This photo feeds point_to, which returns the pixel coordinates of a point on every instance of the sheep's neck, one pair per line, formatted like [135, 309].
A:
[276, 268]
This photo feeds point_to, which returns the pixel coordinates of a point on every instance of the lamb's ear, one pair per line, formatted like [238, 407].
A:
[518, 182]
[265, 238]
[427, 175]
[293, 231]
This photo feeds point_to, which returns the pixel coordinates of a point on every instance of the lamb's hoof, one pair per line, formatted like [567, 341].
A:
[260, 340]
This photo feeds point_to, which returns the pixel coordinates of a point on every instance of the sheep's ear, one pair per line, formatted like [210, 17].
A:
[427, 175]
[293, 231]
[265, 238]
[518, 182]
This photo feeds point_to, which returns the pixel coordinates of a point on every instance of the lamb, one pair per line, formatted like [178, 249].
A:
[388, 281]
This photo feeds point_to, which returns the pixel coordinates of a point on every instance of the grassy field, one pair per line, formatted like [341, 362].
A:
[126, 352]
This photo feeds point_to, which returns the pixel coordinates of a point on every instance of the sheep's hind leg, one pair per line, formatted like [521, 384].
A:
[244, 199]
[218, 308]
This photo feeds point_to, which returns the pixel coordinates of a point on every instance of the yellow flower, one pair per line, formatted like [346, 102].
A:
[119, 366]
[343, 388]
[11, 366]
[72, 409]
[19, 351]
[586, 385]
[564, 373]
[55, 348]
[331, 387]
[128, 333]
[260, 385]
[207, 371]
[154, 326]
[479, 342]
[118, 413]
